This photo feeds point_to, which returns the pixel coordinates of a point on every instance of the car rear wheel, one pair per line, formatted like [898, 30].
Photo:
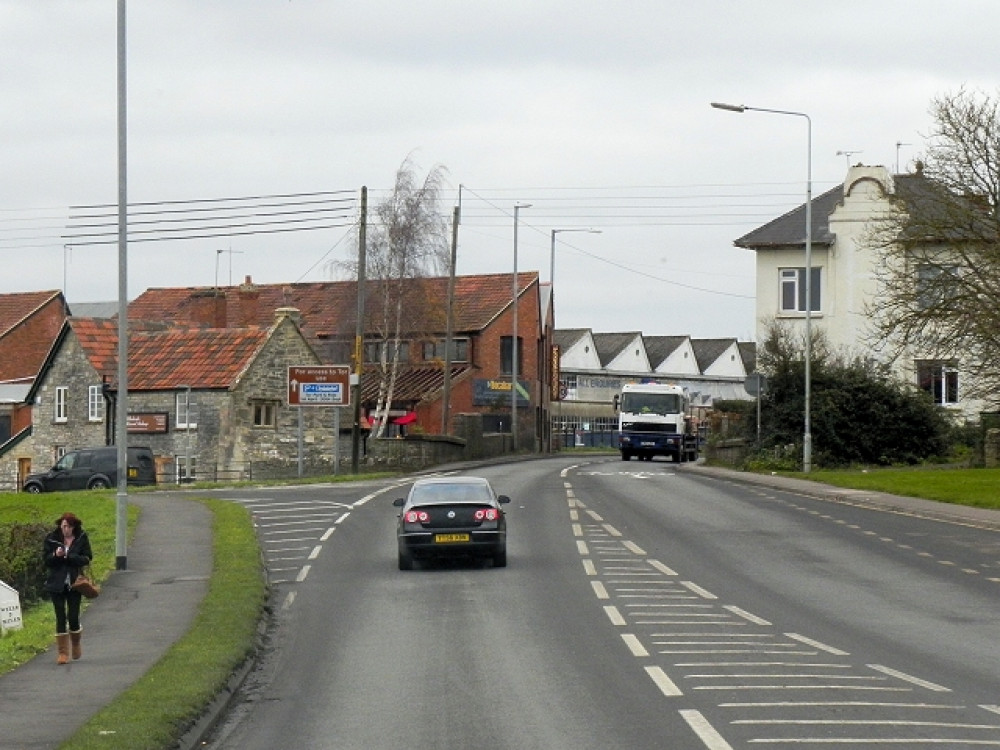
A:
[500, 558]
[98, 484]
[405, 561]
[34, 489]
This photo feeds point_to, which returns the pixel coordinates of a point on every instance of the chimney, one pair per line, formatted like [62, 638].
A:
[208, 308]
[288, 312]
[249, 301]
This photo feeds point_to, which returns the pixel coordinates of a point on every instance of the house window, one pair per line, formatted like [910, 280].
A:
[506, 356]
[187, 411]
[435, 350]
[61, 414]
[940, 379]
[265, 414]
[793, 290]
[936, 284]
[95, 403]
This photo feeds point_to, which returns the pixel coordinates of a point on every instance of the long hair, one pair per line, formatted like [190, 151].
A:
[75, 522]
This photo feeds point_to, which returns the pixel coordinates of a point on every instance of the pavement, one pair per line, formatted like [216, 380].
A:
[143, 610]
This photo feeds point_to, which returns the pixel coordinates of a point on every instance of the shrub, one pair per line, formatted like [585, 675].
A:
[21, 564]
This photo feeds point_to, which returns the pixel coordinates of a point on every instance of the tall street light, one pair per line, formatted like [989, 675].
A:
[807, 436]
[552, 253]
[513, 340]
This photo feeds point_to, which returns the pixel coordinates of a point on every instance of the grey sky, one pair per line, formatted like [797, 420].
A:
[597, 113]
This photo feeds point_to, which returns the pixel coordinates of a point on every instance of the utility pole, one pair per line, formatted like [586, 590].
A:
[446, 396]
[359, 334]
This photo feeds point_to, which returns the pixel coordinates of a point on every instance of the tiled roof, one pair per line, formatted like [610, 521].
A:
[658, 348]
[330, 308]
[14, 308]
[567, 337]
[789, 229]
[707, 351]
[165, 359]
[413, 384]
[610, 345]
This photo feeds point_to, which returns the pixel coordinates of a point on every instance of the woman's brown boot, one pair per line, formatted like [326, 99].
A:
[74, 640]
[62, 645]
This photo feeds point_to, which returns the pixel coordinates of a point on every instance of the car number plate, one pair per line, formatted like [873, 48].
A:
[133, 473]
[450, 538]
[648, 443]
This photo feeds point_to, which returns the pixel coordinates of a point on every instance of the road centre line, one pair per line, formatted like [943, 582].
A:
[589, 568]
[910, 678]
[328, 533]
[664, 683]
[577, 529]
[817, 644]
[574, 515]
[315, 552]
[581, 547]
[599, 590]
[342, 519]
[635, 645]
[695, 588]
[705, 731]
[303, 573]
[614, 615]
[745, 615]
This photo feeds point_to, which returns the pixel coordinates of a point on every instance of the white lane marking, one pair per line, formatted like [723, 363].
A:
[289, 601]
[328, 533]
[602, 593]
[817, 644]
[705, 731]
[595, 515]
[910, 678]
[612, 530]
[315, 552]
[695, 588]
[662, 568]
[342, 519]
[664, 683]
[745, 615]
[635, 645]
[614, 615]
[634, 548]
[589, 568]
[574, 515]
[581, 547]
[992, 709]
[303, 573]
[577, 529]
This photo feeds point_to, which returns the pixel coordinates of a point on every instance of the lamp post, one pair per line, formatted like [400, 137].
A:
[552, 252]
[807, 435]
[187, 436]
[513, 339]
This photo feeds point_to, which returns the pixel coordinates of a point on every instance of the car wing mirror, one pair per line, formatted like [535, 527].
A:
[399, 502]
[503, 499]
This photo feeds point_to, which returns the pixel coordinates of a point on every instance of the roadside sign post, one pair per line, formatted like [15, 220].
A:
[320, 385]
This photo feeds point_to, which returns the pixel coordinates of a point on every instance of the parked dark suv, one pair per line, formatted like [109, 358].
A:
[93, 469]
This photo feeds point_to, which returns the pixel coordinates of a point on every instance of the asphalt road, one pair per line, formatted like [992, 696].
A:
[642, 607]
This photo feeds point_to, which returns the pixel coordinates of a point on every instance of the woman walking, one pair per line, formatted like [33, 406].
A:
[67, 552]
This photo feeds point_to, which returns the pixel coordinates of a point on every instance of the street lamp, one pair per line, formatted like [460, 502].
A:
[552, 253]
[807, 436]
[513, 340]
[187, 437]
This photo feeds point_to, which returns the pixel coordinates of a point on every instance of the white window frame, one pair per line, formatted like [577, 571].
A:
[183, 420]
[180, 467]
[60, 404]
[793, 280]
[95, 403]
[943, 384]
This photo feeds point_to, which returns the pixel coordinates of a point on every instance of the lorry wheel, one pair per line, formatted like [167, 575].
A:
[626, 455]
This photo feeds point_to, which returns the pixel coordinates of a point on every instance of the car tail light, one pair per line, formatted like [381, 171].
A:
[487, 514]
[417, 516]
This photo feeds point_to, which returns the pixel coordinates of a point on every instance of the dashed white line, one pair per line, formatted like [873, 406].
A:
[910, 678]
[635, 645]
[817, 644]
[315, 552]
[664, 683]
[614, 615]
[600, 590]
[303, 573]
[705, 731]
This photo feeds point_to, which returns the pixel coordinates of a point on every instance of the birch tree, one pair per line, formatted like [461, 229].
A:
[407, 241]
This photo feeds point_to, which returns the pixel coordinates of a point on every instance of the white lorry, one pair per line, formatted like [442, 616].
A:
[654, 420]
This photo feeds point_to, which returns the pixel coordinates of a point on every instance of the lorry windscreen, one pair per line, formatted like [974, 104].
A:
[651, 403]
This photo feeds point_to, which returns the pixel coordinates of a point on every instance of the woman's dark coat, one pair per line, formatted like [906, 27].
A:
[78, 557]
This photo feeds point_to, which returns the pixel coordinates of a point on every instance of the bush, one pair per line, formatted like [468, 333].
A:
[21, 564]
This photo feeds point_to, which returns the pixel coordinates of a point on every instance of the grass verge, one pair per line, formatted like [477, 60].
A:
[978, 488]
[155, 711]
[97, 510]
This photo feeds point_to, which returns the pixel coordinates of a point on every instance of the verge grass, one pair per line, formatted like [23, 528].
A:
[979, 488]
[97, 510]
[158, 708]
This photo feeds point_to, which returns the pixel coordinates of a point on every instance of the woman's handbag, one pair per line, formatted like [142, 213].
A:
[85, 586]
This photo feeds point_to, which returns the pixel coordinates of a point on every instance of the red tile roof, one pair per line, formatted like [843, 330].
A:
[15, 308]
[165, 359]
[330, 308]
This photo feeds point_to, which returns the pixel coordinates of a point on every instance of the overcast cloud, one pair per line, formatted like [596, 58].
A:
[596, 113]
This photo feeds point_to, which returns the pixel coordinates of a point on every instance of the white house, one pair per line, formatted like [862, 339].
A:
[844, 285]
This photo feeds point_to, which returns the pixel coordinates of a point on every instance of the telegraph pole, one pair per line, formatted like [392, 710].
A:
[359, 334]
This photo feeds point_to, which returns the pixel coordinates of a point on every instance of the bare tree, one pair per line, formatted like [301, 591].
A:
[938, 248]
[407, 241]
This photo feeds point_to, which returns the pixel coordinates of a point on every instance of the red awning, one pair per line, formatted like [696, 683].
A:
[409, 418]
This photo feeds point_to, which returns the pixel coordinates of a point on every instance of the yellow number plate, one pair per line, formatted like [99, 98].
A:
[447, 538]
[133, 473]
